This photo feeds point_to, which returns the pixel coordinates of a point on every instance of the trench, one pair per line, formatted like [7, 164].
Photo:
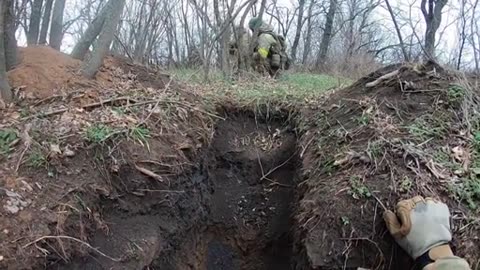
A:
[236, 212]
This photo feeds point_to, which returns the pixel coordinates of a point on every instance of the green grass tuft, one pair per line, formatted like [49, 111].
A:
[98, 133]
[357, 189]
[139, 134]
[289, 87]
[7, 137]
[37, 159]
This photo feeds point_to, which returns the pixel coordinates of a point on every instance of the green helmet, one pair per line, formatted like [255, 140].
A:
[254, 23]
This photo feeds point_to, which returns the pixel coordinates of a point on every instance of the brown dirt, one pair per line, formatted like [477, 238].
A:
[222, 190]
[63, 180]
[360, 139]
[43, 72]
[217, 213]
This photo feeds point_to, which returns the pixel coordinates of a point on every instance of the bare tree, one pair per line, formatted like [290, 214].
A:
[308, 33]
[94, 28]
[475, 37]
[327, 34]
[399, 33]
[111, 20]
[56, 28]
[34, 27]
[298, 32]
[433, 18]
[10, 41]
[5, 91]
[45, 22]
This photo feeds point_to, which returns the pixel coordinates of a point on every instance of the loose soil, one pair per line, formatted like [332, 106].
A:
[234, 211]
[43, 72]
[177, 184]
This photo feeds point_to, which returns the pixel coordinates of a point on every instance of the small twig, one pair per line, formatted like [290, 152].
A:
[161, 190]
[107, 101]
[163, 164]
[45, 114]
[469, 224]
[383, 78]
[276, 168]
[277, 183]
[149, 173]
[87, 106]
[46, 99]
[306, 146]
[73, 239]
[260, 163]
[27, 142]
[370, 241]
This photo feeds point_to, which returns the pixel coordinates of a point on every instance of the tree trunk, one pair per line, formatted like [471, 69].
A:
[433, 19]
[91, 66]
[298, 32]
[34, 26]
[142, 40]
[92, 32]
[474, 30]
[399, 33]
[308, 36]
[5, 90]
[45, 22]
[56, 29]
[327, 35]
[10, 42]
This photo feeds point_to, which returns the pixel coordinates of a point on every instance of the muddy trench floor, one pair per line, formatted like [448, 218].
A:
[235, 211]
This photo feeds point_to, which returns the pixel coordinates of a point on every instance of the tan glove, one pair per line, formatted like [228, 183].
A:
[422, 228]
[419, 225]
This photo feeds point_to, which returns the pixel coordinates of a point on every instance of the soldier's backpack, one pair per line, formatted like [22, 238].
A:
[280, 49]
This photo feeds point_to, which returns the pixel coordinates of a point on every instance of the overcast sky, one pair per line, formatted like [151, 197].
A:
[447, 42]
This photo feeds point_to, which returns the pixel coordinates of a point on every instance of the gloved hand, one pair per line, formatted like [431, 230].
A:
[420, 225]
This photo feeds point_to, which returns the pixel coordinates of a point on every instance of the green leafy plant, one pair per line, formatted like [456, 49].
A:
[424, 128]
[345, 221]
[455, 93]
[405, 185]
[364, 119]
[140, 134]
[37, 159]
[357, 189]
[375, 148]
[7, 137]
[468, 191]
[98, 133]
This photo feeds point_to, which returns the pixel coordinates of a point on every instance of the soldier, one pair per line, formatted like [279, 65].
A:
[269, 50]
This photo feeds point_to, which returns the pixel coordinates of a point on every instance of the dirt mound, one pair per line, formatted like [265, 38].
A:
[44, 72]
[399, 132]
[63, 155]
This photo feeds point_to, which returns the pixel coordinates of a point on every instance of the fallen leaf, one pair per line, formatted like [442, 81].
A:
[458, 153]
[68, 152]
[55, 149]
[432, 166]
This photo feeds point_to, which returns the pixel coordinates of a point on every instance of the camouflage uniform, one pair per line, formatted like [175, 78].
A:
[270, 49]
